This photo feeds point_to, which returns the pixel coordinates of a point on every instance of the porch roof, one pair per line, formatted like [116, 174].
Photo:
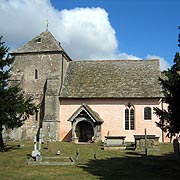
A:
[92, 114]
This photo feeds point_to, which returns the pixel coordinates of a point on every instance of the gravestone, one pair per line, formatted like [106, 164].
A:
[23, 137]
[150, 143]
[176, 149]
[114, 142]
[36, 153]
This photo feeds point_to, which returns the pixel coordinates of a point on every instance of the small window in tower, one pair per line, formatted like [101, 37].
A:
[36, 115]
[38, 40]
[36, 74]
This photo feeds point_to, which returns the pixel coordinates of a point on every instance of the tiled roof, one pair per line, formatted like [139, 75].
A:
[45, 42]
[112, 79]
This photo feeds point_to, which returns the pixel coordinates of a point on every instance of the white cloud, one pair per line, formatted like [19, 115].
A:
[21, 20]
[125, 56]
[164, 65]
[85, 33]
[88, 33]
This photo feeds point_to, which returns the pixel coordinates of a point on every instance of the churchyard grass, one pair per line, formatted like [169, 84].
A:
[93, 163]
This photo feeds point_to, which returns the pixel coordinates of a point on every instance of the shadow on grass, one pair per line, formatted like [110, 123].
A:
[11, 147]
[135, 167]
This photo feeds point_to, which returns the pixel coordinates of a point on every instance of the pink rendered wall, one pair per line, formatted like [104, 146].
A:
[112, 113]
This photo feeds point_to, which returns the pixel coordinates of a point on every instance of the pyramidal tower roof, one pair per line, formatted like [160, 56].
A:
[44, 42]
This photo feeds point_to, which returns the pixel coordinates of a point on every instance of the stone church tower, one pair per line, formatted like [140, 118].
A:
[40, 66]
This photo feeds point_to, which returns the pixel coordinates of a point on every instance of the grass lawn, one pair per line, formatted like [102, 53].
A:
[108, 165]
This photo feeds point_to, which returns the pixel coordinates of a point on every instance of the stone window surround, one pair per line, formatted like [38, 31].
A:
[147, 113]
[129, 117]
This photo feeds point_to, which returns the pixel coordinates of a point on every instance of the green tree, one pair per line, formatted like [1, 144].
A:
[15, 106]
[169, 120]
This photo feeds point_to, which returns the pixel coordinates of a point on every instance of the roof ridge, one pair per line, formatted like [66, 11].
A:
[116, 60]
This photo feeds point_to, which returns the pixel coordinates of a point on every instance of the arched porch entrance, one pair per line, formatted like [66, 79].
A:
[86, 125]
[84, 131]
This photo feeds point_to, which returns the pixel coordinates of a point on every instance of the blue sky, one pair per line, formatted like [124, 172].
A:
[142, 26]
[97, 29]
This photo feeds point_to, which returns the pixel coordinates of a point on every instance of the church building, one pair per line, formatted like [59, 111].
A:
[86, 100]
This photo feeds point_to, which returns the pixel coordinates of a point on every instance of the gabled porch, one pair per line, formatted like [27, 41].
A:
[86, 125]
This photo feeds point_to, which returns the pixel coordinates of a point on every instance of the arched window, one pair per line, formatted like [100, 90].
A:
[126, 119]
[129, 118]
[147, 113]
[36, 74]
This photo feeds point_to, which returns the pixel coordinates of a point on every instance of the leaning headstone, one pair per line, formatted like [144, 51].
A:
[23, 137]
[77, 153]
[176, 149]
